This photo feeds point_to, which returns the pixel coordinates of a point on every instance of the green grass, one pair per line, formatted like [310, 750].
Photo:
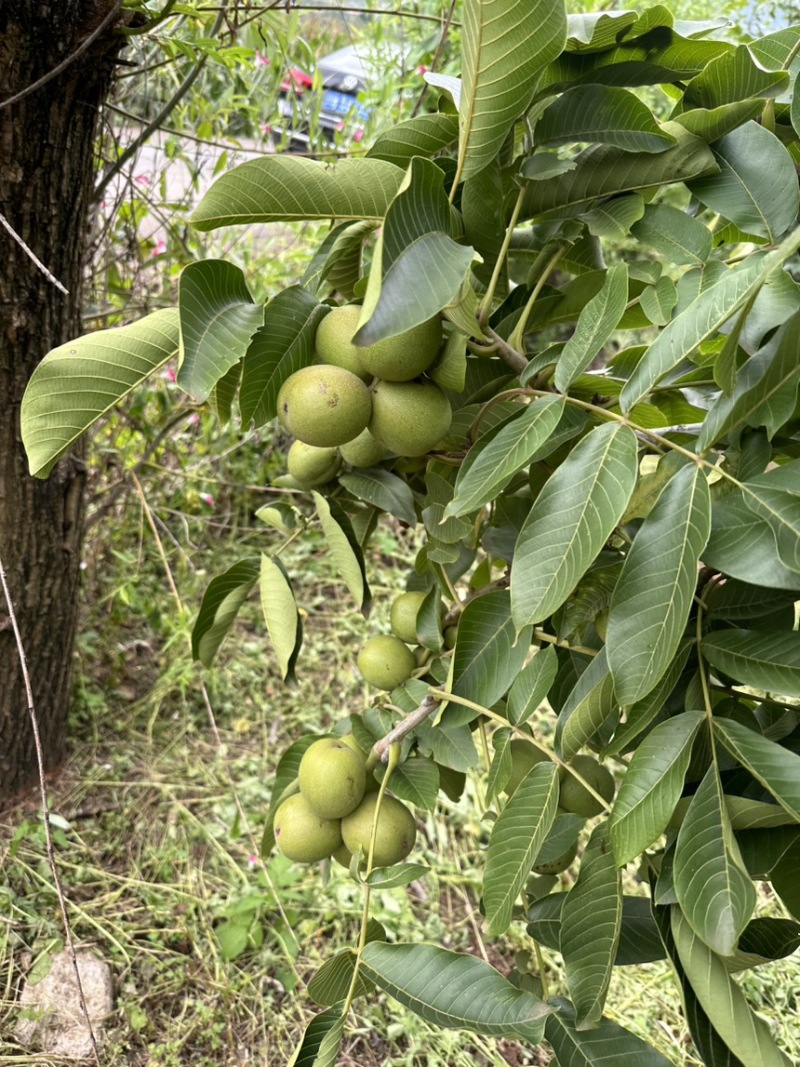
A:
[159, 811]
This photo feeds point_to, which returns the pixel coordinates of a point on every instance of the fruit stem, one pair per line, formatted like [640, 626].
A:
[393, 760]
[486, 304]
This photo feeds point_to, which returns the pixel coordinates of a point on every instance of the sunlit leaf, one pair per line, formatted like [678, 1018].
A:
[280, 614]
[278, 188]
[221, 602]
[78, 382]
[453, 990]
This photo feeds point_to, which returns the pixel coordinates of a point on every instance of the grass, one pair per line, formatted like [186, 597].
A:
[158, 812]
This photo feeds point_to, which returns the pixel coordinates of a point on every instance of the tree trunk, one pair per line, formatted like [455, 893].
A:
[46, 177]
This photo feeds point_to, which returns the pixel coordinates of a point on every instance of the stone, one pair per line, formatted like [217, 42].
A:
[52, 1018]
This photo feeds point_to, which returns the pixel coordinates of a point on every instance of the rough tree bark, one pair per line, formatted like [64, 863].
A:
[46, 178]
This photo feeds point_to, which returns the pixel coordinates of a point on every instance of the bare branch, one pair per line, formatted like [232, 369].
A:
[380, 750]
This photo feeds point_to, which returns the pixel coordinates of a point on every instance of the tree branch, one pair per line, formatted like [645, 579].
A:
[380, 750]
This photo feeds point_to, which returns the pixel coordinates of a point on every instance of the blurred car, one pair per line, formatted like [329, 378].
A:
[310, 117]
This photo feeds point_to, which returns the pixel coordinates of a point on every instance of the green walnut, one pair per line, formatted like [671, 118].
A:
[311, 466]
[385, 662]
[405, 356]
[559, 864]
[333, 342]
[363, 451]
[324, 405]
[302, 835]
[575, 797]
[372, 783]
[524, 756]
[394, 837]
[332, 778]
[409, 418]
[405, 609]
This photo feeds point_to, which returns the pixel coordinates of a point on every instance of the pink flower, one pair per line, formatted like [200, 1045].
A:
[159, 249]
[422, 69]
[252, 861]
[193, 419]
[170, 375]
[208, 499]
[142, 179]
[261, 61]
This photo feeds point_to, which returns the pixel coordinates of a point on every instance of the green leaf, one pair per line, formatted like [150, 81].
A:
[780, 510]
[417, 781]
[488, 654]
[712, 1049]
[384, 490]
[639, 940]
[693, 325]
[218, 318]
[345, 549]
[652, 599]
[280, 614]
[493, 461]
[767, 661]
[570, 521]
[673, 234]
[78, 382]
[597, 113]
[657, 302]
[764, 850]
[399, 875]
[419, 213]
[592, 916]
[776, 767]
[319, 1046]
[517, 836]
[641, 714]
[608, 171]
[501, 766]
[331, 983]
[756, 187]
[283, 345]
[713, 123]
[743, 1032]
[765, 391]
[450, 746]
[338, 259]
[590, 703]
[432, 266]
[454, 991]
[221, 602]
[715, 894]
[224, 393]
[607, 1044]
[763, 941]
[279, 188]
[596, 323]
[450, 369]
[506, 45]
[733, 77]
[743, 546]
[424, 135]
[594, 31]
[614, 218]
[734, 601]
[531, 685]
[652, 786]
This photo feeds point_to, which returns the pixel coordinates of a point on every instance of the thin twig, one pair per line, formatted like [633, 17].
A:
[32, 255]
[167, 109]
[115, 10]
[448, 24]
[51, 856]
